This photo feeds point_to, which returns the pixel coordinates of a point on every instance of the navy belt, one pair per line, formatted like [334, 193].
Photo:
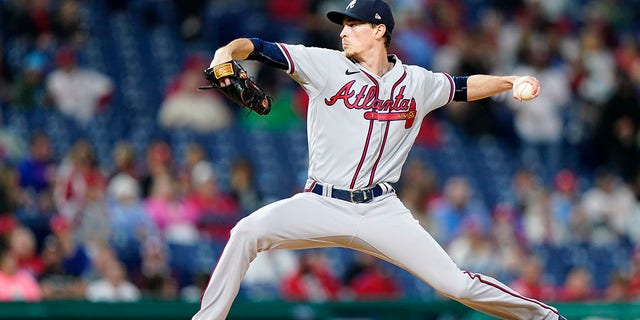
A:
[355, 196]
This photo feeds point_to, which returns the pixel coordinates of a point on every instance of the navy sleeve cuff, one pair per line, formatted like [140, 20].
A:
[461, 88]
[268, 53]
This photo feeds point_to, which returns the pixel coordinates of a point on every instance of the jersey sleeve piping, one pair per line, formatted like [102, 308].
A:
[292, 68]
[453, 88]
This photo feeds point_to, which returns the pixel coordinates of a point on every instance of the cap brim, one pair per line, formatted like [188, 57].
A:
[338, 17]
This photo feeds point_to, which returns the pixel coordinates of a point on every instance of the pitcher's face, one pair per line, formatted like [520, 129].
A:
[357, 37]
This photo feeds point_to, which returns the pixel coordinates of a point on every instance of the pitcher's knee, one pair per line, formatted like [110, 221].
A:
[245, 228]
[251, 230]
[458, 288]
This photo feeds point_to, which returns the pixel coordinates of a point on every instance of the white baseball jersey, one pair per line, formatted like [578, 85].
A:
[375, 119]
[360, 129]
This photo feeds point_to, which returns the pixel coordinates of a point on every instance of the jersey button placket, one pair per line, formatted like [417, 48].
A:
[385, 89]
[384, 95]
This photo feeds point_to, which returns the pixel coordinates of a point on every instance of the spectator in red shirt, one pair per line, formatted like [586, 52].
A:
[367, 280]
[22, 244]
[578, 286]
[531, 283]
[75, 177]
[313, 281]
[216, 211]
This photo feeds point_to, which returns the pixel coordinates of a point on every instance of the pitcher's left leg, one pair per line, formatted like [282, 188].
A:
[305, 220]
[391, 232]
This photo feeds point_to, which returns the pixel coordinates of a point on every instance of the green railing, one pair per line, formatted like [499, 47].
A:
[69, 310]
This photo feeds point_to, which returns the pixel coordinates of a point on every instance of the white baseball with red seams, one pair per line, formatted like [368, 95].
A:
[361, 127]
[524, 90]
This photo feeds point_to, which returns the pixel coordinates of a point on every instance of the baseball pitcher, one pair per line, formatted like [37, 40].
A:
[365, 110]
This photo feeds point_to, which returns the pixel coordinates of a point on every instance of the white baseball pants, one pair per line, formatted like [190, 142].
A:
[383, 227]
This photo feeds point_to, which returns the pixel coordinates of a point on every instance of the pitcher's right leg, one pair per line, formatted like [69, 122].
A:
[391, 232]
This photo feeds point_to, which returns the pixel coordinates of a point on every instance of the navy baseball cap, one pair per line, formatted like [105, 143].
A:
[374, 11]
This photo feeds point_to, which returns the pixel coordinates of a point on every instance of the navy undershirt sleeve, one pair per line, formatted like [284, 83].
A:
[269, 53]
[461, 88]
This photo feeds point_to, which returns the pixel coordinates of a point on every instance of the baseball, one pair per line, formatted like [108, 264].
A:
[524, 90]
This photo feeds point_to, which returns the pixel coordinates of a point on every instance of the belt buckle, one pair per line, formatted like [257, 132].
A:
[358, 192]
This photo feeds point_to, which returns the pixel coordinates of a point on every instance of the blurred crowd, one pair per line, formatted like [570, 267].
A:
[73, 226]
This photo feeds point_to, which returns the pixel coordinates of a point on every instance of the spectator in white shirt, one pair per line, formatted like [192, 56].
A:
[539, 121]
[114, 287]
[609, 208]
[76, 91]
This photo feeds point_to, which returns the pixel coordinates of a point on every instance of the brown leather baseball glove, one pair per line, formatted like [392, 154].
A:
[241, 88]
